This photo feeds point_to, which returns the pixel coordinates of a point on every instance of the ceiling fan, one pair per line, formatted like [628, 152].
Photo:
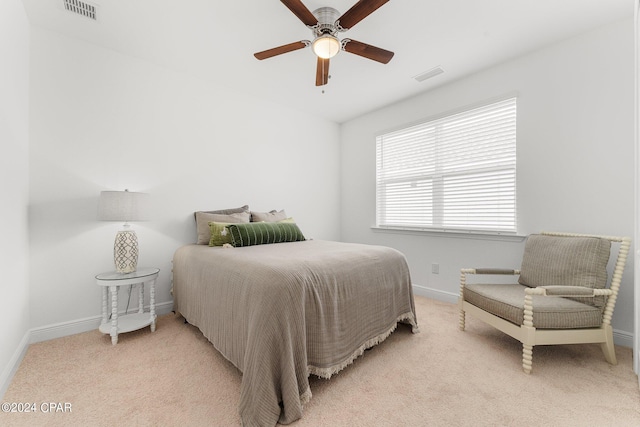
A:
[325, 23]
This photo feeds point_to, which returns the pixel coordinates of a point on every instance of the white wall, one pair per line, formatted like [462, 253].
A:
[636, 343]
[104, 121]
[14, 139]
[575, 157]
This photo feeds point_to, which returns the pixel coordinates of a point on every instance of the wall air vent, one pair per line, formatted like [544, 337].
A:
[81, 8]
[428, 74]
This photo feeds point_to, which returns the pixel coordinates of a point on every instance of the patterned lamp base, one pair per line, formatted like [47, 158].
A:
[125, 251]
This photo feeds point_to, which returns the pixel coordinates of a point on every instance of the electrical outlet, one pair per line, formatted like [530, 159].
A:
[435, 268]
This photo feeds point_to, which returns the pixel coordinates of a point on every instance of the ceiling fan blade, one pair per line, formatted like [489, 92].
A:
[301, 11]
[367, 51]
[358, 12]
[322, 72]
[281, 49]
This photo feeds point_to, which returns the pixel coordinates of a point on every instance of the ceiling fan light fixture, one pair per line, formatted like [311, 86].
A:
[326, 46]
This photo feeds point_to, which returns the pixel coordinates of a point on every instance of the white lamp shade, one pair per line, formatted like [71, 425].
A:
[326, 46]
[123, 206]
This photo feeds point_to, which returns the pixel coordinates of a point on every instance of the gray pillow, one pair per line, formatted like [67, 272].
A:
[237, 215]
[244, 208]
[566, 261]
[271, 216]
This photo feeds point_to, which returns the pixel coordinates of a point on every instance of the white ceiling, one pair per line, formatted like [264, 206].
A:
[215, 40]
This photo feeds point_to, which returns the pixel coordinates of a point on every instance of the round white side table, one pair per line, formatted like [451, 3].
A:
[111, 281]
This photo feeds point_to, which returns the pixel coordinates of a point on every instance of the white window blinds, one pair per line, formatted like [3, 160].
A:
[455, 173]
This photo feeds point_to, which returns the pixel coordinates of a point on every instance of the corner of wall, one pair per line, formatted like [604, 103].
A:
[12, 367]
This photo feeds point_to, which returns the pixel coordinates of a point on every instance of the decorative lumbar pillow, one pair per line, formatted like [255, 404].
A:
[204, 218]
[219, 233]
[565, 261]
[261, 233]
[271, 216]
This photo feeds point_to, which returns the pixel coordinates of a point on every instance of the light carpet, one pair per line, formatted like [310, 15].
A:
[439, 377]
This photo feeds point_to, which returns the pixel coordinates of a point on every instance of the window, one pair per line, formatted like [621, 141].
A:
[455, 173]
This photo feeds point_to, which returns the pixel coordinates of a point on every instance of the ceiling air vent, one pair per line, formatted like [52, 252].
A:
[82, 8]
[428, 74]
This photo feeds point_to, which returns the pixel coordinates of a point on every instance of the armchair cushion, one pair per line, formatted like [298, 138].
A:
[507, 301]
[566, 261]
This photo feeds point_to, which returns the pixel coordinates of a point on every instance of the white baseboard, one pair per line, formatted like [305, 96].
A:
[436, 294]
[621, 338]
[12, 367]
[57, 330]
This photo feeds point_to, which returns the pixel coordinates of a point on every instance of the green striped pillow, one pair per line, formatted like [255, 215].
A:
[261, 233]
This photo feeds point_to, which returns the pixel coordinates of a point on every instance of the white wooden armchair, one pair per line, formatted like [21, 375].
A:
[563, 295]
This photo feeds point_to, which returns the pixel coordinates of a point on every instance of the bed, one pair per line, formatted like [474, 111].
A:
[281, 312]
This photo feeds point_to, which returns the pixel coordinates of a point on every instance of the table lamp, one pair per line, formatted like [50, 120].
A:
[124, 206]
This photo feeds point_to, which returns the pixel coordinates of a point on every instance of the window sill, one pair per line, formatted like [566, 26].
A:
[478, 235]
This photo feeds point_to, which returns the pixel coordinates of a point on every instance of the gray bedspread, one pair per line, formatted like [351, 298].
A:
[281, 312]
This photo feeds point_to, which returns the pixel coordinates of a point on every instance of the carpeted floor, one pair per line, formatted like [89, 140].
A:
[439, 377]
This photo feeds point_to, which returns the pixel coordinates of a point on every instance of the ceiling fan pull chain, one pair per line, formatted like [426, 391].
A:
[323, 73]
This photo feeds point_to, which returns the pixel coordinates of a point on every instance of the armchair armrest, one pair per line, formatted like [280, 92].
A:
[567, 291]
[489, 271]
